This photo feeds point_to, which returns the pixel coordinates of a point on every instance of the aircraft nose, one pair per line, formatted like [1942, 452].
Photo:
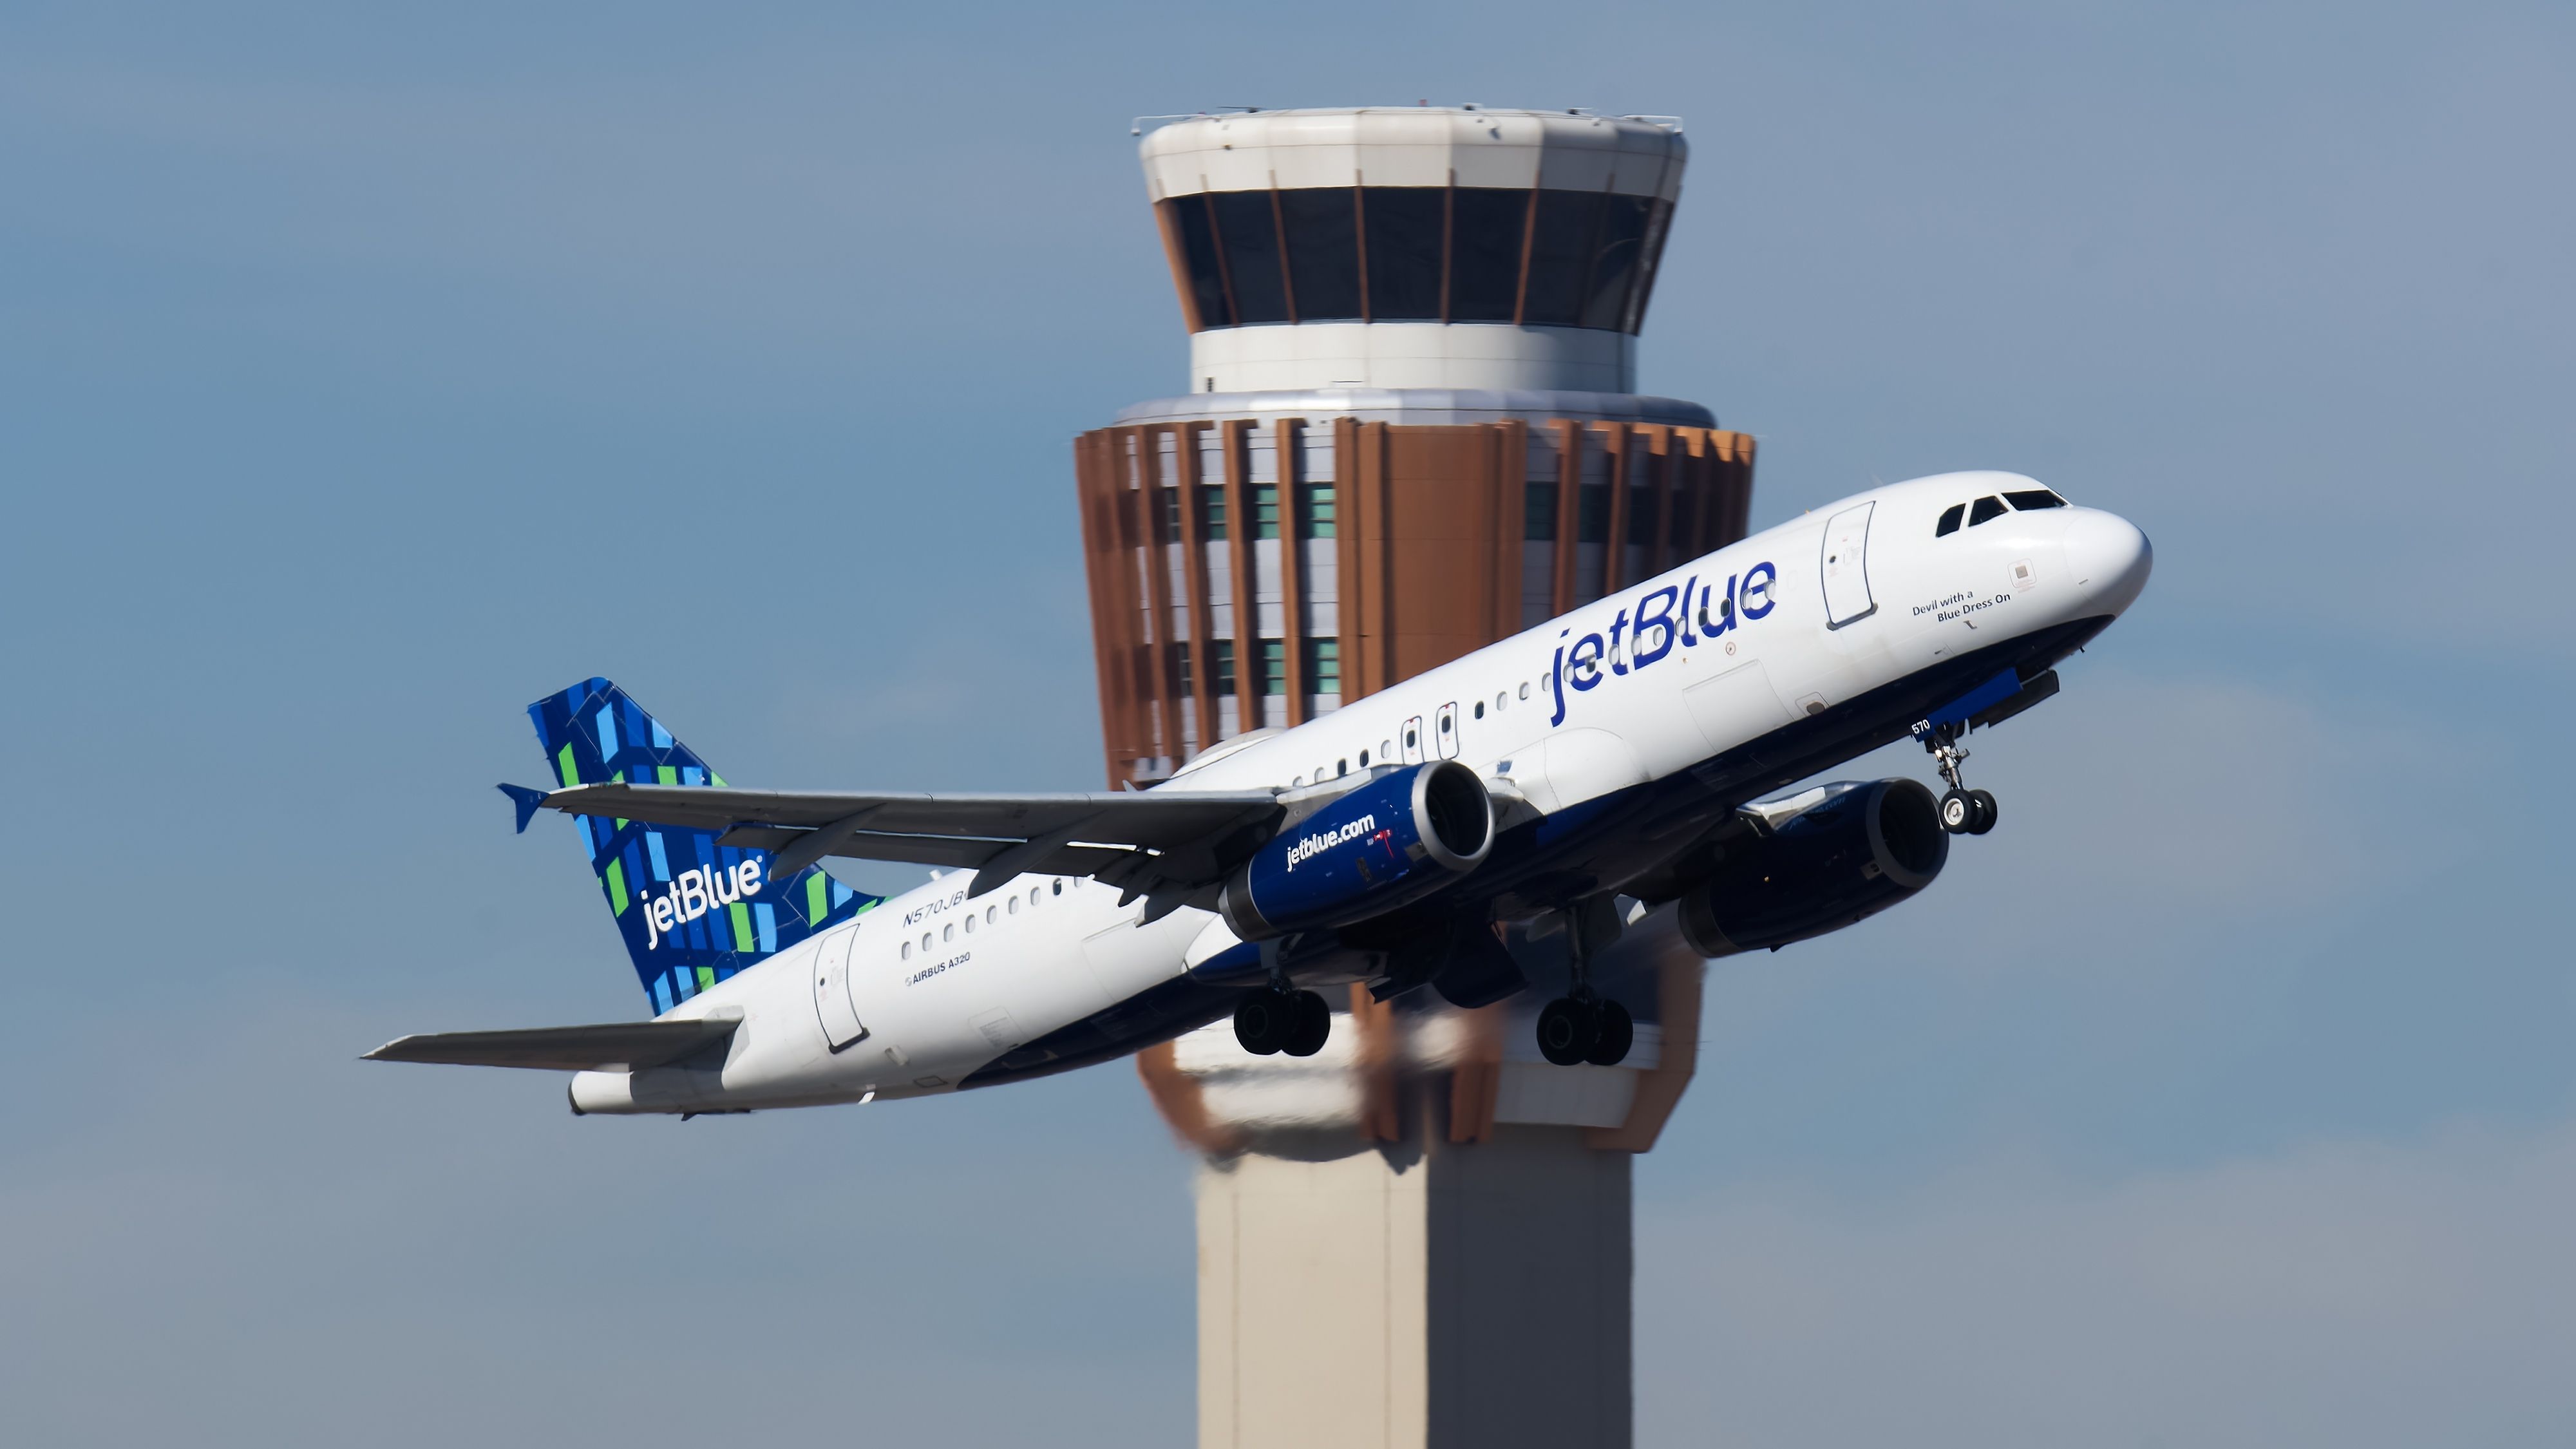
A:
[2110, 557]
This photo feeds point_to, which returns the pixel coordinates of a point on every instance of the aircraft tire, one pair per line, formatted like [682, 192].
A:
[1618, 1032]
[1985, 804]
[1264, 1021]
[1314, 1025]
[1958, 812]
[1566, 1031]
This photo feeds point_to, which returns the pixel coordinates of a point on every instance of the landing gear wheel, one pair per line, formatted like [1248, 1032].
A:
[1567, 1031]
[1314, 1025]
[1985, 804]
[1265, 1021]
[1959, 812]
[1618, 1033]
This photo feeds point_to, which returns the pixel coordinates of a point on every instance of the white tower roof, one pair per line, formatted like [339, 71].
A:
[1414, 247]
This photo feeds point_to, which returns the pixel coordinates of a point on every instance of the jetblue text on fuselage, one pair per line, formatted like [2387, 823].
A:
[1688, 614]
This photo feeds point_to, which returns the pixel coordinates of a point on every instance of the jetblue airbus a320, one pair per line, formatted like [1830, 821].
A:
[1625, 750]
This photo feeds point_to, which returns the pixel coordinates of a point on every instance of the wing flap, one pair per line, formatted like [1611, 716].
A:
[631, 1045]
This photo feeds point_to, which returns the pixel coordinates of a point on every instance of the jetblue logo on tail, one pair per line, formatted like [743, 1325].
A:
[696, 892]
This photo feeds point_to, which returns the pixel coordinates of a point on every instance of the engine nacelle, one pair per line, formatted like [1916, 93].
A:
[1386, 844]
[1865, 846]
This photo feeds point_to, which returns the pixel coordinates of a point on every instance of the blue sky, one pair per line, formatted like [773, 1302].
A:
[364, 375]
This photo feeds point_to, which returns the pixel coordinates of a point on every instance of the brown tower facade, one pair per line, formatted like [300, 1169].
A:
[1252, 572]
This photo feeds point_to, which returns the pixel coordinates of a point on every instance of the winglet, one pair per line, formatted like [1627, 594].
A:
[528, 801]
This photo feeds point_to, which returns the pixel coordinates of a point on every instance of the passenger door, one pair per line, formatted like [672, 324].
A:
[832, 1003]
[1845, 567]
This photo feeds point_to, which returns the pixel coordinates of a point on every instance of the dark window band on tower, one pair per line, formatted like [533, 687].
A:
[1322, 229]
[1485, 253]
[1247, 229]
[1419, 254]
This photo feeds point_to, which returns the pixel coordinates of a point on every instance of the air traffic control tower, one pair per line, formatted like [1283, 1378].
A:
[1410, 427]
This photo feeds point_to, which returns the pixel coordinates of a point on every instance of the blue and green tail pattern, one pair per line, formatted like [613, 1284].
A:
[693, 912]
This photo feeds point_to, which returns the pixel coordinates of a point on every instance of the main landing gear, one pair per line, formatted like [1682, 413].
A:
[1963, 811]
[1583, 1025]
[1278, 1019]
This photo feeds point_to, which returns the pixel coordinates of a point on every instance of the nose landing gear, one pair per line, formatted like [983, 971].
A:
[1963, 811]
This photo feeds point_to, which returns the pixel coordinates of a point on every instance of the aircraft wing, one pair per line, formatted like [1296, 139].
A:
[631, 1045]
[1144, 842]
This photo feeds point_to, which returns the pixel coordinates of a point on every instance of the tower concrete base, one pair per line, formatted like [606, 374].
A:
[1416, 1295]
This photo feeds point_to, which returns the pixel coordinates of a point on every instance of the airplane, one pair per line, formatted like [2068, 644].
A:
[1628, 751]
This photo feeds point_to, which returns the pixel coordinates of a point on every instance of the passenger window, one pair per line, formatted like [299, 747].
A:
[1480, 708]
[1987, 509]
[1345, 765]
[992, 914]
[1297, 781]
[907, 951]
[1950, 517]
[970, 925]
[1363, 759]
[948, 932]
[1059, 887]
[1015, 905]
[2030, 498]
[925, 940]
[1525, 689]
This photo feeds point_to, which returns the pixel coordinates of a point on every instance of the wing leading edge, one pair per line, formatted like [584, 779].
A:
[1144, 843]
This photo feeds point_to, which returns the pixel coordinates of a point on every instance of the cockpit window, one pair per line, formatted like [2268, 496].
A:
[2030, 498]
[1986, 509]
[1950, 520]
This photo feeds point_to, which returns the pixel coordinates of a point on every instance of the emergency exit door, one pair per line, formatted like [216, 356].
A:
[1845, 567]
[832, 1004]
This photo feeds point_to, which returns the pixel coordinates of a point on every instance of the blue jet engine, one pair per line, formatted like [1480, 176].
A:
[1385, 844]
[1862, 848]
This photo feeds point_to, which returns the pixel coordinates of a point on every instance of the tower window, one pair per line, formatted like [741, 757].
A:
[1538, 512]
[1324, 666]
[1315, 510]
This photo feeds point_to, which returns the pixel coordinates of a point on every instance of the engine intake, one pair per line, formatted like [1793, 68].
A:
[1866, 845]
[1385, 844]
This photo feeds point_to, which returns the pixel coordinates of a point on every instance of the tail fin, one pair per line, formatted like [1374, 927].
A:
[692, 912]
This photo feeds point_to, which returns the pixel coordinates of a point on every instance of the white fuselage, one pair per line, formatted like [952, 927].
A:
[1584, 705]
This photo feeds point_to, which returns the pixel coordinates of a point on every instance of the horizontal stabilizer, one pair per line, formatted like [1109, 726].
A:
[528, 802]
[628, 1045]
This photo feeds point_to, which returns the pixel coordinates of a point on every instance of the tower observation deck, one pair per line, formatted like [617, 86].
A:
[1411, 424]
